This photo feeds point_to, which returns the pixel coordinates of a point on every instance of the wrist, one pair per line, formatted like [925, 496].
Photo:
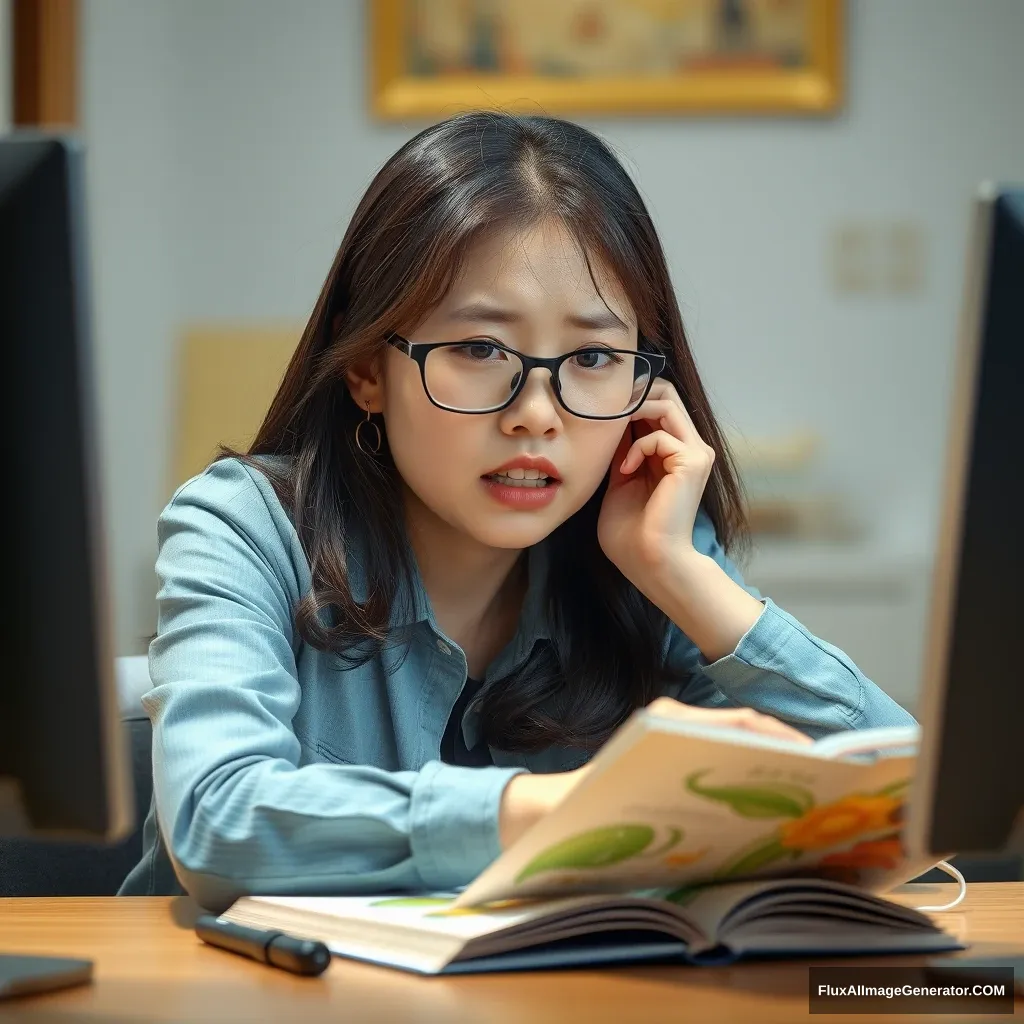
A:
[527, 798]
[679, 578]
[703, 601]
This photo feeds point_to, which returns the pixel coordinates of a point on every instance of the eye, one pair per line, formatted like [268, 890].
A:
[479, 351]
[596, 358]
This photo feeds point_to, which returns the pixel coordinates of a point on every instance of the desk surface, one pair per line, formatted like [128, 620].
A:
[149, 967]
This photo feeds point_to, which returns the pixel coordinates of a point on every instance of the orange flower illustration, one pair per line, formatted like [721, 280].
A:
[872, 853]
[678, 860]
[831, 824]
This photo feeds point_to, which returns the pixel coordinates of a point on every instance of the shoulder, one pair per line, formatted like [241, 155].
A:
[232, 488]
[233, 501]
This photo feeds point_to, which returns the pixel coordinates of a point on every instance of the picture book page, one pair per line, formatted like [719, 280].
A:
[660, 810]
[436, 914]
[884, 740]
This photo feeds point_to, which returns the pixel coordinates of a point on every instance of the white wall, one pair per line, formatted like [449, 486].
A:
[230, 143]
[130, 62]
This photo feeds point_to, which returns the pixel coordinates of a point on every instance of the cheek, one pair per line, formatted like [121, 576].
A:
[593, 450]
[431, 449]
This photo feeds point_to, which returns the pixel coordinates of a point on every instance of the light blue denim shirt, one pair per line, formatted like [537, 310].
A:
[277, 771]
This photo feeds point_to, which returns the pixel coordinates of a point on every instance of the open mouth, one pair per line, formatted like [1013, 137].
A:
[521, 478]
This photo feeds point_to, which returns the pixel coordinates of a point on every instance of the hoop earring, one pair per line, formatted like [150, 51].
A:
[368, 422]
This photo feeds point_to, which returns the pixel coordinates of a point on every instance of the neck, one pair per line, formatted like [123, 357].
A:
[471, 586]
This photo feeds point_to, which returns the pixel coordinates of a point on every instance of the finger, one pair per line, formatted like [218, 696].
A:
[736, 718]
[660, 444]
[768, 726]
[667, 390]
[669, 707]
[662, 389]
[670, 416]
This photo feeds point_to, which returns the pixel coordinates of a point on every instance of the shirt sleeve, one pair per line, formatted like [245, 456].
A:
[238, 813]
[778, 667]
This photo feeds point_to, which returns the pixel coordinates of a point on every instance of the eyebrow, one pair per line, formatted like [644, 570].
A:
[484, 311]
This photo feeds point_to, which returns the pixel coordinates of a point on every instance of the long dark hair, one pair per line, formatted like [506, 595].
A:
[400, 254]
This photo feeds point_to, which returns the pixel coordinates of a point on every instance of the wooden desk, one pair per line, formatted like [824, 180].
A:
[150, 967]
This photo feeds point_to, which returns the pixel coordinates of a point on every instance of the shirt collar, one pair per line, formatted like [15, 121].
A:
[411, 607]
[411, 604]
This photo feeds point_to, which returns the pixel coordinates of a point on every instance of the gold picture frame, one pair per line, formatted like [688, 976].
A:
[814, 86]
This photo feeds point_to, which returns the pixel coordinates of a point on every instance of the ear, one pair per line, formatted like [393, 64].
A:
[366, 385]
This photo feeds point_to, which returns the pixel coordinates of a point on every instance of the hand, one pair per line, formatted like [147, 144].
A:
[730, 718]
[657, 478]
[527, 798]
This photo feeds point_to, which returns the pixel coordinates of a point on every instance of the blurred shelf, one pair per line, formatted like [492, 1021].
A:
[840, 567]
[865, 598]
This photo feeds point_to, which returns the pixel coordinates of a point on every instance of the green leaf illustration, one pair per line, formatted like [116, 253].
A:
[413, 901]
[594, 849]
[754, 859]
[778, 801]
[894, 788]
[675, 834]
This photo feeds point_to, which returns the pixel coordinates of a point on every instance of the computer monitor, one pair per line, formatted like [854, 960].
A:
[968, 793]
[63, 763]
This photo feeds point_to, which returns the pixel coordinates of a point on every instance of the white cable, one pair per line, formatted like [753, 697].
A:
[944, 865]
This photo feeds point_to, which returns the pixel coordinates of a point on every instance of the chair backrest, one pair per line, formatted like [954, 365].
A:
[132, 675]
[34, 867]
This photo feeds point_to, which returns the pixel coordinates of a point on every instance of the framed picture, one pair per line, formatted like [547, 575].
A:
[432, 58]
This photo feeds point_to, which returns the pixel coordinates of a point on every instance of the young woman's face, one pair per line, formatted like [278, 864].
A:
[533, 292]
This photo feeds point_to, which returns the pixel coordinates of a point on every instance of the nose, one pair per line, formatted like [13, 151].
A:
[535, 410]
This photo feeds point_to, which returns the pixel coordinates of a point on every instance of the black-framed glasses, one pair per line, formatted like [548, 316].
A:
[481, 376]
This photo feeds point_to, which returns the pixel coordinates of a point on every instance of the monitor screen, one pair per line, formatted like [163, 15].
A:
[62, 757]
[969, 791]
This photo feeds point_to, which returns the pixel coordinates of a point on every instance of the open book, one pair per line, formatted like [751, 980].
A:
[681, 841]
[714, 924]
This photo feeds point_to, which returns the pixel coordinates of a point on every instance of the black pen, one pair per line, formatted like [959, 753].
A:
[300, 956]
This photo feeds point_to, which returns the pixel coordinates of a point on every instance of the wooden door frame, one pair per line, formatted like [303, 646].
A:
[44, 52]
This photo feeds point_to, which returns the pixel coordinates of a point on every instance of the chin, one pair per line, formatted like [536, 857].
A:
[513, 535]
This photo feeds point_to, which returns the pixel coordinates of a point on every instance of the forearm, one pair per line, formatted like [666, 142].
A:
[527, 798]
[696, 593]
[269, 826]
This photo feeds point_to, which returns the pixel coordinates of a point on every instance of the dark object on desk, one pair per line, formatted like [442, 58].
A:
[298, 956]
[26, 975]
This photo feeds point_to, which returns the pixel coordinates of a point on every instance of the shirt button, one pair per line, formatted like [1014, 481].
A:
[443, 647]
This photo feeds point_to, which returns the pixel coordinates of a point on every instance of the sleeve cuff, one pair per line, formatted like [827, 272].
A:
[758, 650]
[804, 672]
[454, 821]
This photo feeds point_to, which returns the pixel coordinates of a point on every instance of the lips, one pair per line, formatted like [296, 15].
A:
[527, 462]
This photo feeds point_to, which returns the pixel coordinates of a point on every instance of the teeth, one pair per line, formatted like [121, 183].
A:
[521, 480]
[523, 474]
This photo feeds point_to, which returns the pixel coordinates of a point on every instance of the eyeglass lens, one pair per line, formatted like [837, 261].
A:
[477, 377]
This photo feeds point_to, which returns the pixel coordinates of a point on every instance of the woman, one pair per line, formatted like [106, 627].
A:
[485, 519]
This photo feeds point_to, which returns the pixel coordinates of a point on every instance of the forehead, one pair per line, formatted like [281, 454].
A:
[539, 264]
